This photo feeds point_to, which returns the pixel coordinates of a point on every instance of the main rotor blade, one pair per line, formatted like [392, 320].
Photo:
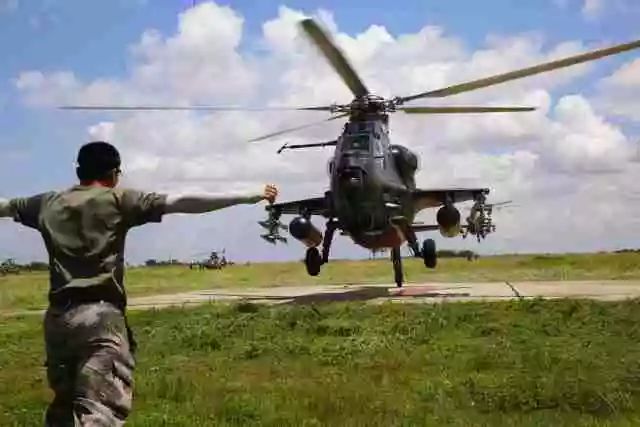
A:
[280, 132]
[525, 72]
[189, 108]
[334, 56]
[508, 202]
[456, 110]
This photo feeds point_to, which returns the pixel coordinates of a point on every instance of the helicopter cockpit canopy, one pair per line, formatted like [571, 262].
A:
[354, 128]
[357, 142]
[357, 136]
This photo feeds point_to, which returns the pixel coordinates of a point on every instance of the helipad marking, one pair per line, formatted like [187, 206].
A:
[424, 291]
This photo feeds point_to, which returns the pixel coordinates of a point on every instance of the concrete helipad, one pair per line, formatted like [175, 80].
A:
[606, 290]
[424, 292]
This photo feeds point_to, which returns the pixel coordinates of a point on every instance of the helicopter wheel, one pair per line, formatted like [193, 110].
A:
[313, 261]
[429, 255]
[397, 266]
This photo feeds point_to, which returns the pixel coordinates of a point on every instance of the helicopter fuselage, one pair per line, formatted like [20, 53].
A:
[368, 185]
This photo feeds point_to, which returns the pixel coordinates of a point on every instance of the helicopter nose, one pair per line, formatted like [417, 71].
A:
[353, 177]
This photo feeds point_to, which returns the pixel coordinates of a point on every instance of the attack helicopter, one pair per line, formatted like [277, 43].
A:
[372, 195]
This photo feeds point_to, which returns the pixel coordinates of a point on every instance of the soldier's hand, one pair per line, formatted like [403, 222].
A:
[270, 193]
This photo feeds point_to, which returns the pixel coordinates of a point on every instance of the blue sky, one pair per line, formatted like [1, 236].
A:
[91, 38]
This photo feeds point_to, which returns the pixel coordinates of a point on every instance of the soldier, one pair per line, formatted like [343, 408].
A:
[89, 346]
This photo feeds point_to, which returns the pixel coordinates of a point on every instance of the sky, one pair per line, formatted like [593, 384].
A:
[571, 167]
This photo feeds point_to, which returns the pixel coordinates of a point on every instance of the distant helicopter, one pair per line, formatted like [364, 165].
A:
[9, 266]
[373, 197]
[213, 262]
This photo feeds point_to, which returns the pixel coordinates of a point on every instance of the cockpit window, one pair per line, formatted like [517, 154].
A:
[358, 127]
[359, 142]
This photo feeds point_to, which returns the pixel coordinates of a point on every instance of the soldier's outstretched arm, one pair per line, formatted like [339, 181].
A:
[24, 210]
[202, 203]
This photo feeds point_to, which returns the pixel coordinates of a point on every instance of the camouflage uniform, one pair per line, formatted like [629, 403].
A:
[89, 346]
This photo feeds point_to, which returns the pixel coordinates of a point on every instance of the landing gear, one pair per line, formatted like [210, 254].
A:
[406, 229]
[413, 242]
[429, 255]
[397, 266]
[313, 261]
[328, 238]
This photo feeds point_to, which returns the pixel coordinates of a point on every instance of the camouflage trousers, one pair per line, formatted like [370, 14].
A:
[90, 366]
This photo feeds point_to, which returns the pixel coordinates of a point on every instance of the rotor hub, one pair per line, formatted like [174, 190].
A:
[370, 103]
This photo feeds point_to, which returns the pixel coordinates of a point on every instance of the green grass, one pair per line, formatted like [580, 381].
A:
[532, 362]
[28, 291]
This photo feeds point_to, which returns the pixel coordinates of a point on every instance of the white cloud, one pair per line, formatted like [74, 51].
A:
[283, 39]
[592, 8]
[627, 76]
[619, 93]
[102, 131]
[559, 163]
[41, 89]
[198, 64]
[582, 141]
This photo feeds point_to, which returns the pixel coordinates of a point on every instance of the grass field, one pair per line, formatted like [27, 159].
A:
[28, 291]
[543, 363]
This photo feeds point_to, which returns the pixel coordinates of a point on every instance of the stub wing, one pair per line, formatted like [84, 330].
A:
[432, 198]
[418, 228]
[312, 206]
